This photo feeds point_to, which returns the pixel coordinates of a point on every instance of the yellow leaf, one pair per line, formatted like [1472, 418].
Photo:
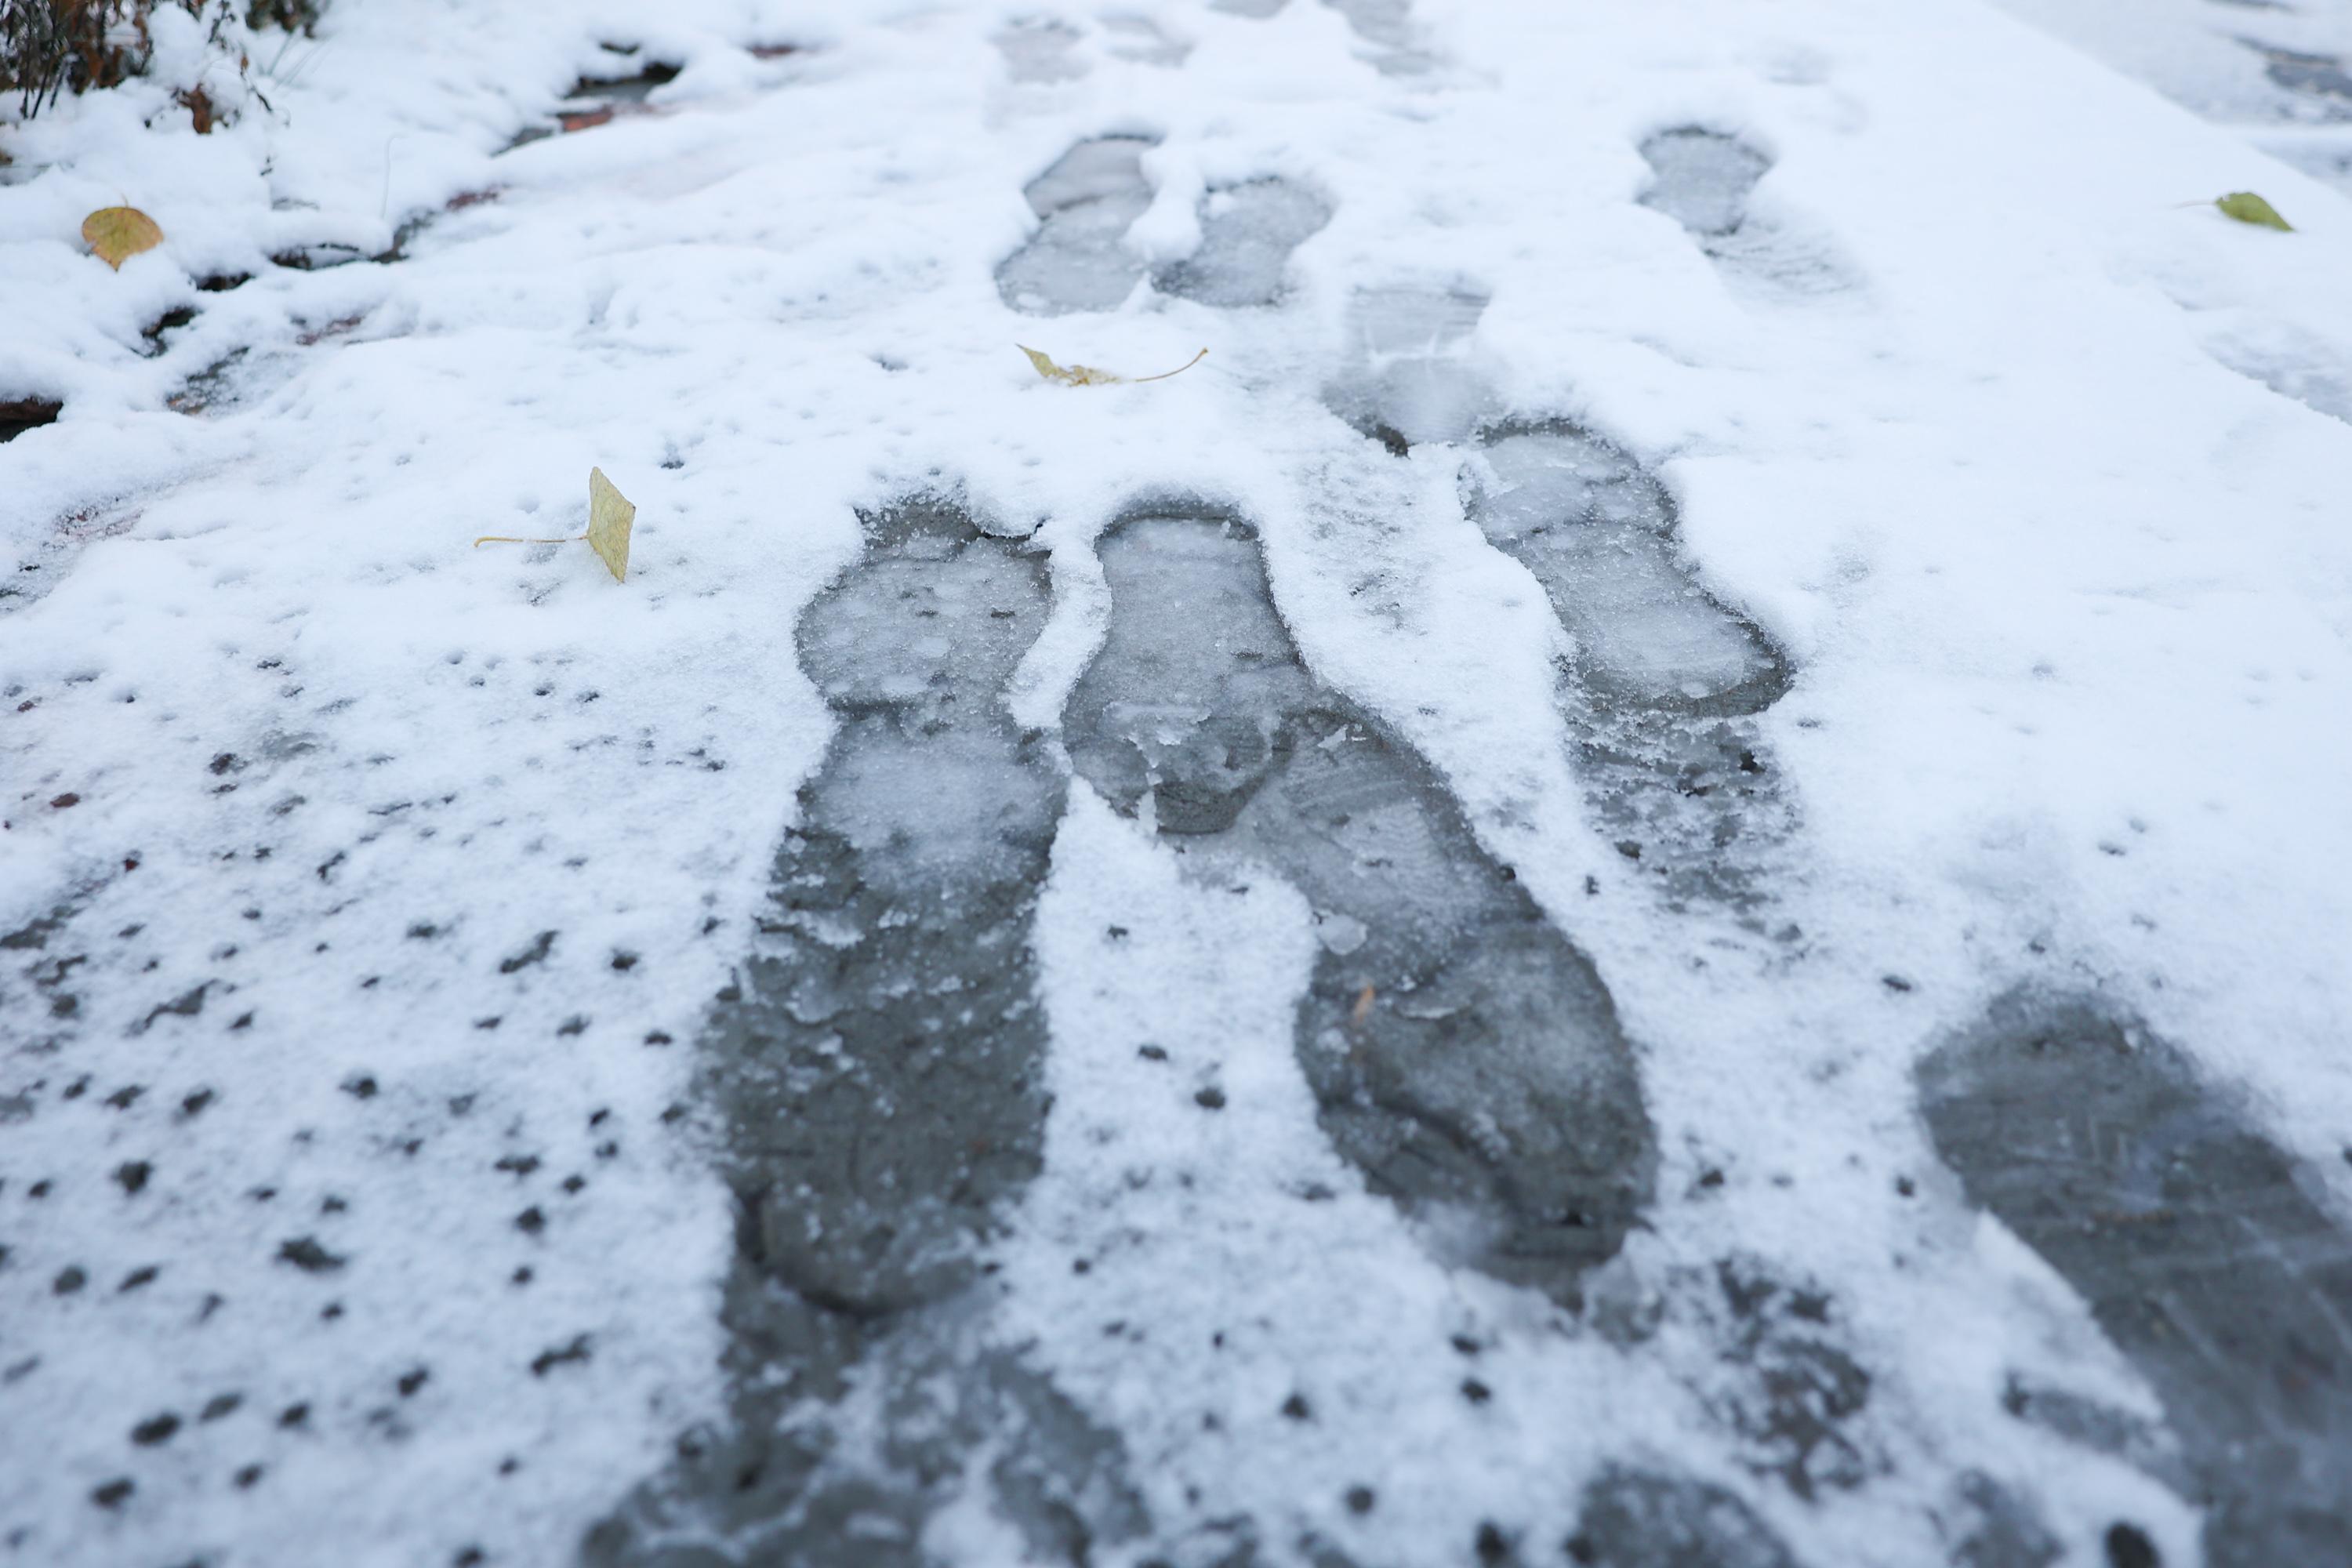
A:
[1087, 376]
[2248, 207]
[117, 234]
[610, 516]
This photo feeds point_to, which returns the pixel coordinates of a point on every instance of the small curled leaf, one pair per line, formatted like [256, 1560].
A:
[2248, 207]
[118, 234]
[1067, 374]
[1087, 376]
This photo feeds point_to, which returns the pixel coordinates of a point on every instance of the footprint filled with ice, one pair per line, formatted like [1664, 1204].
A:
[2199, 1247]
[1407, 377]
[874, 1078]
[1079, 258]
[1665, 680]
[1462, 1053]
[1247, 233]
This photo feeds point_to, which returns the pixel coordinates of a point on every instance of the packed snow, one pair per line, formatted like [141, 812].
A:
[1654, 877]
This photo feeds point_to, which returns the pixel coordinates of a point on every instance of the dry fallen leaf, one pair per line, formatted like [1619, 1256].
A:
[1071, 375]
[2248, 207]
[611, 515]
[117, 234]
[1087, 376]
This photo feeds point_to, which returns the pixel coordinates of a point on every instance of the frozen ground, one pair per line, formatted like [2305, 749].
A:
[1657, 877]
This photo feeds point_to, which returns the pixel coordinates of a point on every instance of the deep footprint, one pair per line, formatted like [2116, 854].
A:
[1079, 258]
[1247, 233]
[875, 1079]
[2199, 1247]
[1665, 684]
[1463, 1053]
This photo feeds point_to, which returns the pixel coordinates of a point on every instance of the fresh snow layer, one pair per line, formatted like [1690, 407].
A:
[1972, 620]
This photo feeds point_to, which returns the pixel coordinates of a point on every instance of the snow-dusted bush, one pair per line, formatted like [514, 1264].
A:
[52, 47]
[49, 46]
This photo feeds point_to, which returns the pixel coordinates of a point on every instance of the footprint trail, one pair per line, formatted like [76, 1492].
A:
[875, 1079]
[1079, 258]
[1665, 680]
[1462, 1054]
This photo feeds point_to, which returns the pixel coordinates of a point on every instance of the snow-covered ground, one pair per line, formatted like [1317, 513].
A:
[1656, 877]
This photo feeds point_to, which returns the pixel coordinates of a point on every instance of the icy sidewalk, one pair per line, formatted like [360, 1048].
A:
[2276, 74]
[1650, 878]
